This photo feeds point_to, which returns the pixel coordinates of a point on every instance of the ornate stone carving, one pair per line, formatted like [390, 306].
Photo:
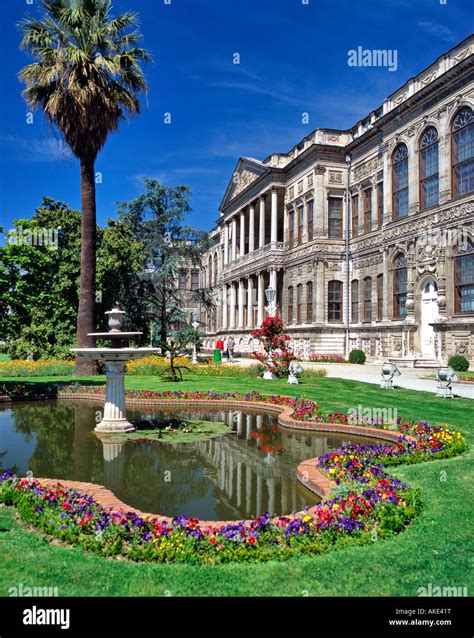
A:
[245, 179]
[319, 169]
[335, 177]
[367, 167]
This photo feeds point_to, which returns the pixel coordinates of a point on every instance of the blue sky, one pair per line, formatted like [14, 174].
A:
[293, 59]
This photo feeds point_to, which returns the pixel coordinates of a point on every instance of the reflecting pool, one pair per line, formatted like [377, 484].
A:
[239, 475]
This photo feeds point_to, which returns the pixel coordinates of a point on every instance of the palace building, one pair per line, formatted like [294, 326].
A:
[366, 234]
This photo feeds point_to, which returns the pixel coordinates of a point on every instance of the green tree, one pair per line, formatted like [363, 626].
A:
[39, 284]
[86, 78]
[156, 219]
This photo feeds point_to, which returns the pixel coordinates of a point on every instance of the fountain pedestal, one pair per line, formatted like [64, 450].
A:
[115, 360]
[114, 419]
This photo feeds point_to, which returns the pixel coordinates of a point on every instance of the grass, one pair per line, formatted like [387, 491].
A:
[4, 357]
[435, 549]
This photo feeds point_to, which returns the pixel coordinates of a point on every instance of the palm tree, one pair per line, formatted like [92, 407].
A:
[86, 77]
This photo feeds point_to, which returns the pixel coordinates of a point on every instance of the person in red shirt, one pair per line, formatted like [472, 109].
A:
[220, 344]
[218, 350]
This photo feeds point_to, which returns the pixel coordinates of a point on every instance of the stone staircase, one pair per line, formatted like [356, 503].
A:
[415, 362]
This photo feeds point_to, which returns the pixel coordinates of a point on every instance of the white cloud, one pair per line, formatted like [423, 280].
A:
[438, 30]
[23, 149]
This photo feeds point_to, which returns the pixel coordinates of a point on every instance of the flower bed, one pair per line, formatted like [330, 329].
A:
[41, 368]
[366, 501]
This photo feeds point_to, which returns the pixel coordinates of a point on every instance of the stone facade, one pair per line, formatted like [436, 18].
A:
[366, 234]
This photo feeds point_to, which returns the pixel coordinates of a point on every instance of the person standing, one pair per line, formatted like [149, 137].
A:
[218, 350]
[230, 348]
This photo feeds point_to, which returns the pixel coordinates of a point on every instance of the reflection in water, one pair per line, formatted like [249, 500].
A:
[238, 475]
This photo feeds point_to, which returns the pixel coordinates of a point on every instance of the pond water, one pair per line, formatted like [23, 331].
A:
[238, 475]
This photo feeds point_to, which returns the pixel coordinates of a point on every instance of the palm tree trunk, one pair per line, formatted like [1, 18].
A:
[86, 310]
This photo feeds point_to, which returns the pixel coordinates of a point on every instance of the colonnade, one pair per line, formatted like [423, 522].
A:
[243, 300]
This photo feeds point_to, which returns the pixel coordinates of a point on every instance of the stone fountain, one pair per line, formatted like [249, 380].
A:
[115, 359]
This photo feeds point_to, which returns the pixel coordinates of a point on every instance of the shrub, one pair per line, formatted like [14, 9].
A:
[459, 363]
[357, 356]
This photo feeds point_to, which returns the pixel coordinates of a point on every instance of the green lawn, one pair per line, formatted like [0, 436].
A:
[437, 548]
[4, 357]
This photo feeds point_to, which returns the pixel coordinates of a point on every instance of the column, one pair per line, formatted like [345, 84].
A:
[249, 303]
[234, 240]
[387, 286]
[248, 426]
[273, 280]
[274, 216]
[241, 304]
[240, 424]
[242, 233]
[232, 307]
[261, 223]
[251, 228]
[296, 221]
[260, 299]
[226, 244]
[224, 307]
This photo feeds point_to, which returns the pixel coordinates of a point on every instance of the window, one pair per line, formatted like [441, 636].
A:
[299, 302]
[290, 304]
[380, 204]
[215, 269]
[368, 299]
[400, 182]
[463, 152]
[291, 228]
[182, 280]
[464, 278]
[429, 178]
[335, 218]
[335, 301]
[309, 302]
[399, 287]
[300, 224]
[380, 297]
[194, 279]
[310, 206]
[367, 210]
[355, 301]
[355, 215]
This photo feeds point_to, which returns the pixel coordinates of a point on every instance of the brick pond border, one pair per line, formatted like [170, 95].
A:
[306, 472]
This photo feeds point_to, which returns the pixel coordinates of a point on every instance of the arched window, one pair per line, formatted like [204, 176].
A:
[400, 281]
[429, 177]
[463, 152]
[299, 302]
[354, 301]
[290, 304]
[464, 278]
[368, 299]
[400, 181]
[335, 301]
[309, 302]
